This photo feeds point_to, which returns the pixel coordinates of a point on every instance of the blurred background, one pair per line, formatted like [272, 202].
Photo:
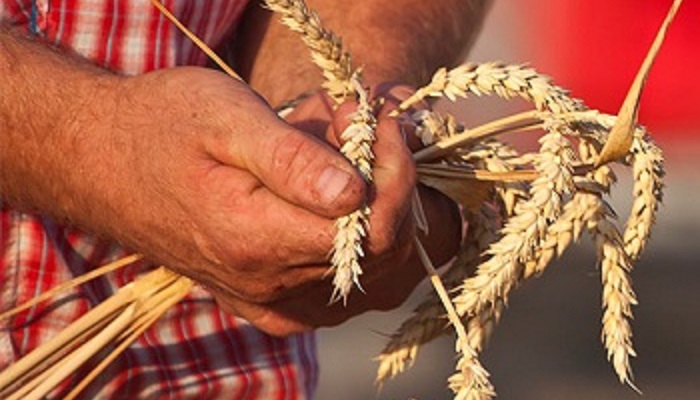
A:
[548, 343]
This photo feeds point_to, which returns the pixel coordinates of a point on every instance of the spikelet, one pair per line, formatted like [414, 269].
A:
[326, 48]
[535, 206]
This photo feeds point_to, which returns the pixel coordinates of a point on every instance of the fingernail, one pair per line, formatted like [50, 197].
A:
[332, 183]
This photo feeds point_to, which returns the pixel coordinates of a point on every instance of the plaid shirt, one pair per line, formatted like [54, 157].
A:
[194, 350]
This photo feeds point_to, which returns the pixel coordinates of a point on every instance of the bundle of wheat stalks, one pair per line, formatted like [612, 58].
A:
[538, 204]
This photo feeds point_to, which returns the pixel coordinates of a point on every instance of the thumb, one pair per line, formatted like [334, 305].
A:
[300, 168]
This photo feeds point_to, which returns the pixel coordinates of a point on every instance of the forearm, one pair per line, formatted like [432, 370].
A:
[402, 41]
[46, 144]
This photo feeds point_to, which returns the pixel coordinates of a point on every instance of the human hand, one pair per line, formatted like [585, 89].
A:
[200, 175]
[391, 266]
[197, 173]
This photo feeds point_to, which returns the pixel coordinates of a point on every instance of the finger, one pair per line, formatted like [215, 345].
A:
[312, 115]
[308, 308]
[262, 316]
[292, 164]
[394, 182]
[394, 94]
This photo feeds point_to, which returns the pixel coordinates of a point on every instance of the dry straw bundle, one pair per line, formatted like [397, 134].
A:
[538, 203]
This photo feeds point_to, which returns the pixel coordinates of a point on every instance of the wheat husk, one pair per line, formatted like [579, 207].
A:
[545, 200]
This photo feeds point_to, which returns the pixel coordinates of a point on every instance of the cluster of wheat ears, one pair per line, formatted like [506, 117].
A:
[539, 203]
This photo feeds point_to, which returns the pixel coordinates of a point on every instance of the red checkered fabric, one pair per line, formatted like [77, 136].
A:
[194, 350]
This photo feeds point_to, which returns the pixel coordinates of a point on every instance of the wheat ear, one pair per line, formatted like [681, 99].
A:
[507, 81]
[618, 296]
[648, 171]
[326, 48]
[347, 250]
[340, 82]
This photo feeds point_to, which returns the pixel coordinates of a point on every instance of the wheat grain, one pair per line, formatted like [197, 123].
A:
[506, 81]
[326, 48]
[545, 209]
[524, 231]
[358, 138]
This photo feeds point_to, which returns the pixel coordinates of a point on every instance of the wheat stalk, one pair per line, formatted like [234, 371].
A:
[428, 320]
[326, 48]
[471, 378]
[111, 322]
[547, 197]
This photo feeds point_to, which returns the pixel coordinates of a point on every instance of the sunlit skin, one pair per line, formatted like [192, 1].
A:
[206, 179]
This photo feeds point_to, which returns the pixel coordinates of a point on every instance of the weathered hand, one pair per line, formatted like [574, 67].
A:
[196, 172]
[391, 266]
[199, 174]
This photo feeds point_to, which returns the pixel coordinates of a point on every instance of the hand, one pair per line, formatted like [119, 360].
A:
[391, 266]
[196, 172]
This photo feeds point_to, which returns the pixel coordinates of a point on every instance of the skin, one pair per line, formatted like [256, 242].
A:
[207, 180]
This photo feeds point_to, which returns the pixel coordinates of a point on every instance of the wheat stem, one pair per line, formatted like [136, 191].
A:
[524, 120]
[79, 280]
[476, 378]
[78, 358]
[196, 40]
[149, 311]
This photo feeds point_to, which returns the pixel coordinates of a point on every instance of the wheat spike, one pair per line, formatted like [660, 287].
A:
[618, 296]
[546, 198]
[506, 81]
[358, 138]
[524, 231]
[648, 173]
[326, 48]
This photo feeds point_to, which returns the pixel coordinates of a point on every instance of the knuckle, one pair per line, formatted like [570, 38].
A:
[290, 156]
